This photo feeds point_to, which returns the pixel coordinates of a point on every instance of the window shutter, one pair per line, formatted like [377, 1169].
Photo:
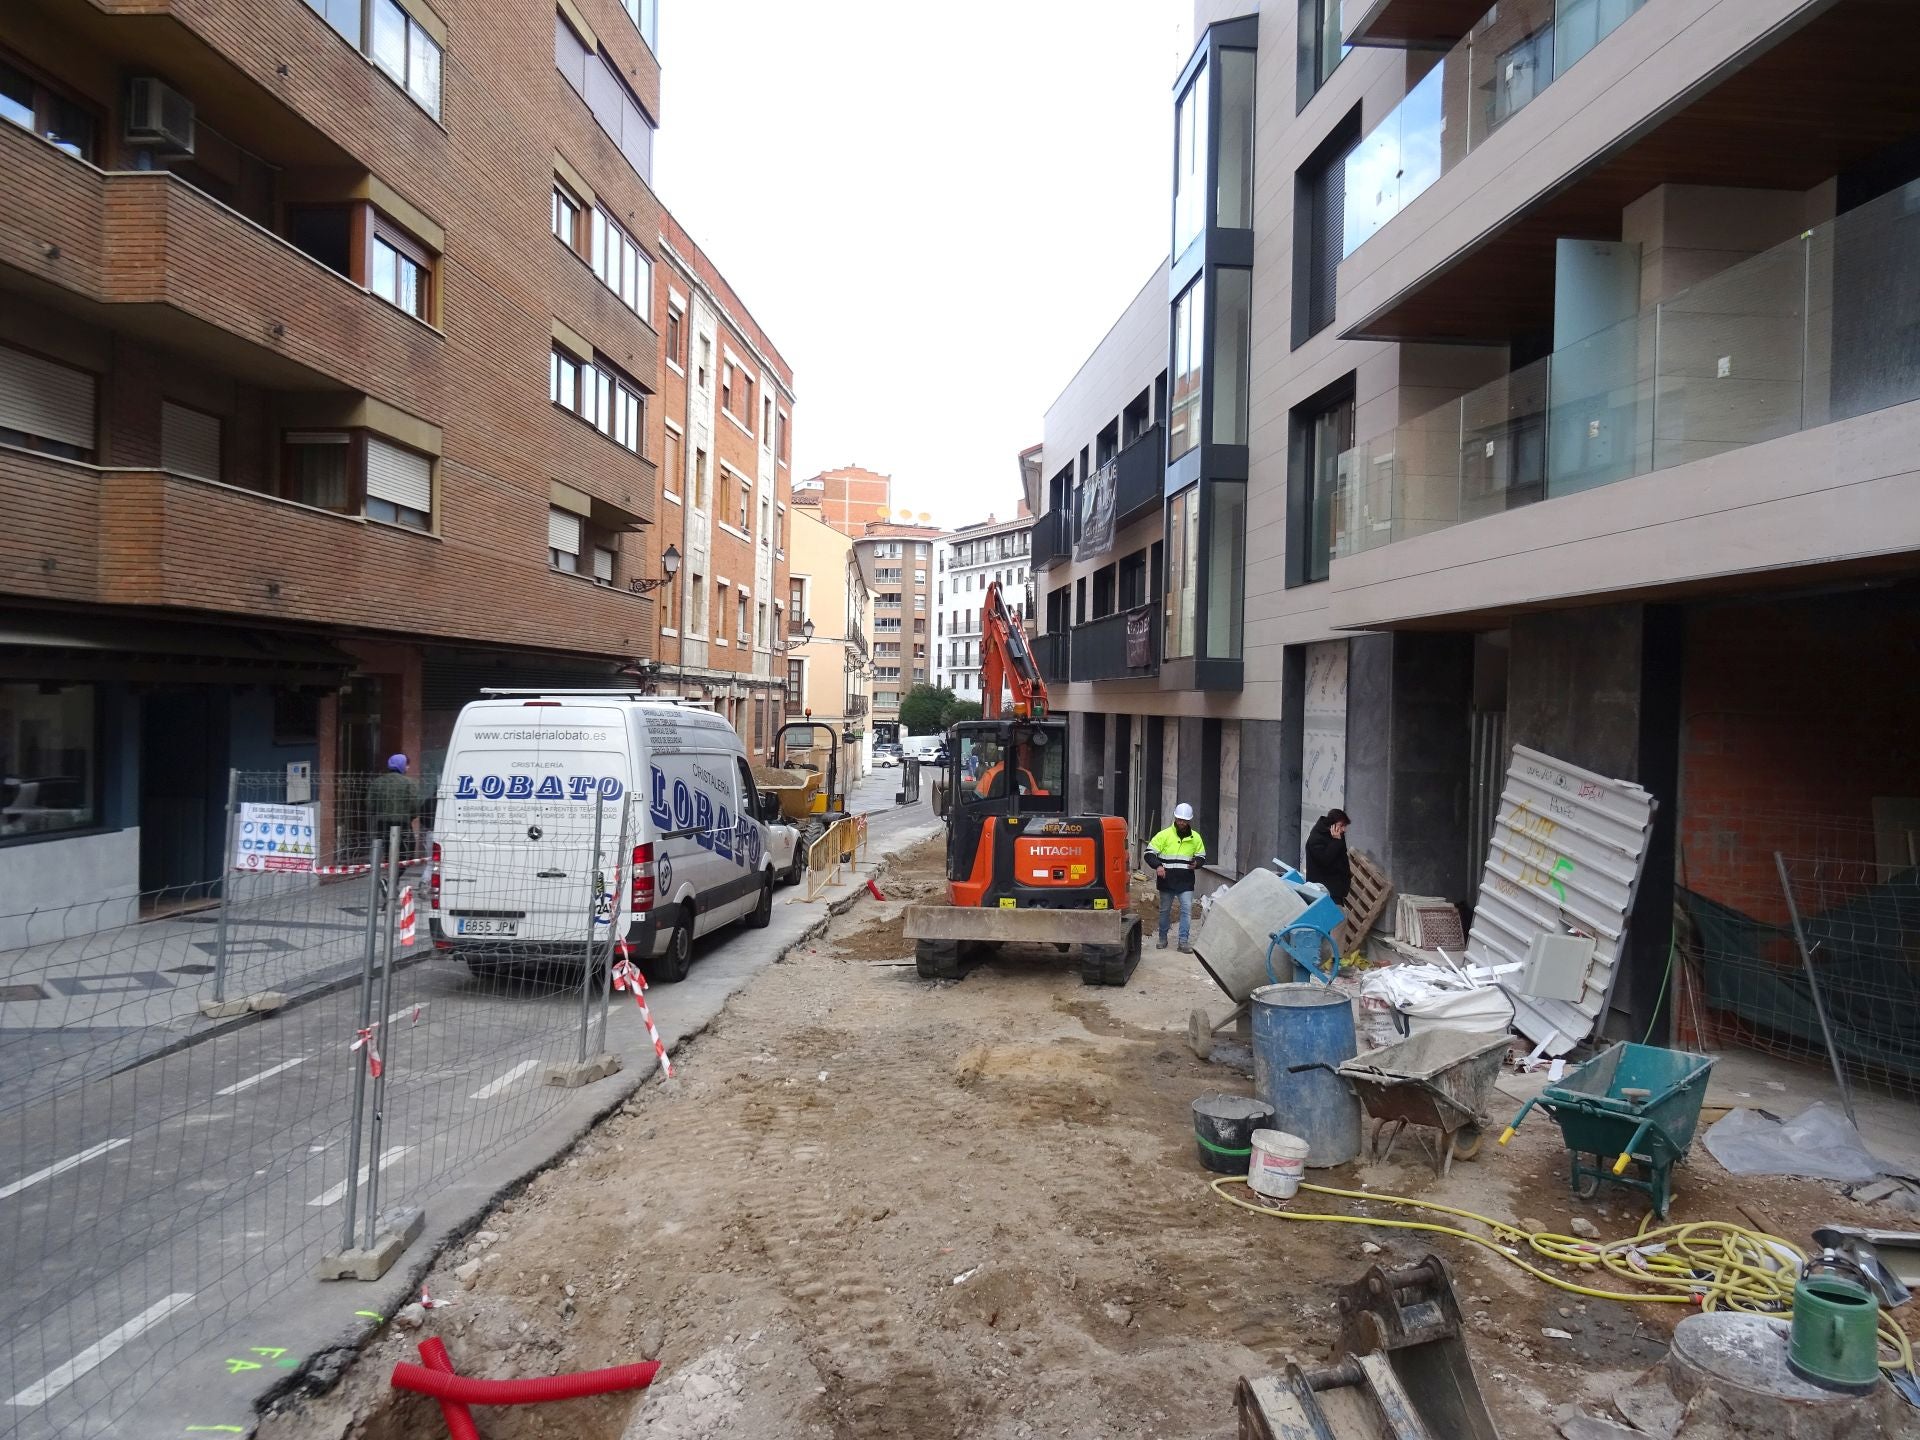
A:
[46, 400]
[189, 441]
[1330, 200]
[399, 476]
[603, 565]
[563, 532]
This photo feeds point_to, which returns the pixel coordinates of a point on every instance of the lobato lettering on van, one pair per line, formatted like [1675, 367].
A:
[521, 787]
[703, 819]
[662, 816]
[682, 805]
[723, 835]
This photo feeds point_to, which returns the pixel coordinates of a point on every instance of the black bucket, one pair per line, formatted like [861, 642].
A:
[1223, 1127]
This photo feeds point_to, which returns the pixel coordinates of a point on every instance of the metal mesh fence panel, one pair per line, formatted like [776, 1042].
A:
[1804, 943]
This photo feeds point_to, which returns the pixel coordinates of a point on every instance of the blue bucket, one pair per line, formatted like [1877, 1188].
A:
[1297, 1025]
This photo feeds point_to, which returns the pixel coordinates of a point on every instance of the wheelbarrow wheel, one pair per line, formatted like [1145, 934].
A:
[1466, 1142]
[1587, 1184]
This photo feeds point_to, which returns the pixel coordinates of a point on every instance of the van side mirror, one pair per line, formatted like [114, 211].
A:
[769, 807]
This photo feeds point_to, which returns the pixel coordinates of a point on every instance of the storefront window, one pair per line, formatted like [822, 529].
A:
[1183, 541]
[48, 776]
[1226, 569]
[1189, 346]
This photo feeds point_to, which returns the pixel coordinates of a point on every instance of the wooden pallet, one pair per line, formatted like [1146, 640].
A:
[1366, 899]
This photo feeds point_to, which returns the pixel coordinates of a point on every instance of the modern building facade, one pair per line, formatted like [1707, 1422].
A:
[1447, 428]
[725, 428]
[827, 675]
[964, 564]
[896, 563]
[278, 483]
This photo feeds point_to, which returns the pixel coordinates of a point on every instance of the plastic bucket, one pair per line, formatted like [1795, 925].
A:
[1223, 1127]
[1278, 1163]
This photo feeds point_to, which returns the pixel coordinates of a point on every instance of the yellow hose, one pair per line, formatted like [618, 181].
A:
[1712, 1263]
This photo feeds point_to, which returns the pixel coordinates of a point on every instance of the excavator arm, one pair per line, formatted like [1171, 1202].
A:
[1006, 658]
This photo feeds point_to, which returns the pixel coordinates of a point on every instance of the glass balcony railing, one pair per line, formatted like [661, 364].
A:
[1512, 53]
[1816, 330]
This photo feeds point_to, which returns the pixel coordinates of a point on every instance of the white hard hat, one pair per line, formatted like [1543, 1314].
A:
[1183, 811]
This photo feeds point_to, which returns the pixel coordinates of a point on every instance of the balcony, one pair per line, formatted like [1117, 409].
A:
[1806, 337]
[1052, 538]
[1141, 487]
[1050, 654]
[1103, 649]
[169, 263]
[1414, 24]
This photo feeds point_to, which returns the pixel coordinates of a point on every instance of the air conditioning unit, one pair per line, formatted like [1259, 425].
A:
[160, 116]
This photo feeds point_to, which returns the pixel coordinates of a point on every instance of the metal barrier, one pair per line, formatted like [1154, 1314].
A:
[842, 846]
[206, 1089]
[909, 792]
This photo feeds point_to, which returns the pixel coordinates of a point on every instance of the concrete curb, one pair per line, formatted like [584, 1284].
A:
[324, 1367]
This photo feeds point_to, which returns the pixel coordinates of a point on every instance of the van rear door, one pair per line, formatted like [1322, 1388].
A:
[522, 784]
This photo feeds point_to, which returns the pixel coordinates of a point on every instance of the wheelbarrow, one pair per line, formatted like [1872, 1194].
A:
[1440, 1080]
[1638, 1103]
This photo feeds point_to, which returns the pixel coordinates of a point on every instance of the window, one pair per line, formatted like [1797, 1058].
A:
[1319, 230]
[563, 540]
[676, 338]
[766, 524]
[699, 479]
[1225, 568]
[697, 588]
[598, 394]
[645, 15]
[602, 565]
[744, 492]
[46, 406]
[1321, 432]
[410, 56]
[760, 636]
[1232, 350]
[401, 270]
[1183, 540]
[48, 758]
[567, 209]
[670, 472]
[796, 602]
[1189, 345]
[1320, 47]
[706, 360]
[318, 469]
[745, 630]
[343, 16]
[47, 113]
[596, 79]
[1233, 202]
[766, 421]
[189, 441]
[780, 448]
[726, 387]
[623, 267]
[399, 485]
[796, 683]
[1190, 162]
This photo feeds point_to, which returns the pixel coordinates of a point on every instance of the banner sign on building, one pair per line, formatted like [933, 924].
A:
[273, 837]
[1099, 506]
[1140, 637]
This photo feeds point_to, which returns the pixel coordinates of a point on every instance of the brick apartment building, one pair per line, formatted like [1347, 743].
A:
[725, 426]
[278, 484]
[1536, 373]
[896, 562]
[851, 497]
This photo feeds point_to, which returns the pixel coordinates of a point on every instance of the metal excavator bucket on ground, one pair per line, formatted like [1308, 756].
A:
[1403, 1372]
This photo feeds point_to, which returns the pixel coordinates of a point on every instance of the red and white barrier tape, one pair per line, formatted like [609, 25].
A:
[627, 976]
[363, 1039]
[361, 869]
[408, 933]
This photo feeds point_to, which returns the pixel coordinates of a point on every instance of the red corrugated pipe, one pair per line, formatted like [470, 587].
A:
[535, 1391]
[459, 1419]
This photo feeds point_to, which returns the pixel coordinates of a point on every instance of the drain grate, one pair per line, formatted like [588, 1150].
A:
[21, 992]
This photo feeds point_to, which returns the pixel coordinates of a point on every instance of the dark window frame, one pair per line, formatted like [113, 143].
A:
[1302, 425]
[386, 231]
[1315, 209]
[47, 90]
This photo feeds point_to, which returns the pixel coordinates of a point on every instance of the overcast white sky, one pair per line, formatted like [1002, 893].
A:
[958, 203]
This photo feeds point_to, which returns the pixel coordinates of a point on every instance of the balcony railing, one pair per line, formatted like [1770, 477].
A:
[1050, 654]
[1102, 649]
[1052, 538]
[1807, 333]
[1143, 473]
[1513, 52]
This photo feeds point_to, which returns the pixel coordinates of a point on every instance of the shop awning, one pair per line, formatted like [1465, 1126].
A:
[86, 647]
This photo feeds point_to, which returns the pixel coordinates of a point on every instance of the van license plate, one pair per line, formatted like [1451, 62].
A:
[508, 928]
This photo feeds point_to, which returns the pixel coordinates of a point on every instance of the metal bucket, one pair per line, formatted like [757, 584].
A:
[1307, 1025]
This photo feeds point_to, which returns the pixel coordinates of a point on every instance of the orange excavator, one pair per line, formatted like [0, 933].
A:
[1021, 869]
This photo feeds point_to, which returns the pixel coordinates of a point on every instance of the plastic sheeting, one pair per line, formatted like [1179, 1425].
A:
[1819, 1143]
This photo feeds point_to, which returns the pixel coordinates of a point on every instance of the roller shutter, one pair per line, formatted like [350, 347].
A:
[45, 399]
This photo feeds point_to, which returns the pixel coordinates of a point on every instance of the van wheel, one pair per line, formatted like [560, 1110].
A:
[762, 915]
[679, 957]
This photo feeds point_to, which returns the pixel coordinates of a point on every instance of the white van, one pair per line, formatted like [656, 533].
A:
[683, 842]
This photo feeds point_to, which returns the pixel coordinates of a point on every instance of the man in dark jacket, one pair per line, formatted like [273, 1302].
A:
[1327, 862]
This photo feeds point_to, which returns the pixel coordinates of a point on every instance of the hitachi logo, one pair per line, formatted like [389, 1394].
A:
[1065, 851]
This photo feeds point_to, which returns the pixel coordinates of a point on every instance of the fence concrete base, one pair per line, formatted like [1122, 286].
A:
[398, 1229]
[574, 1074]
[243, 1005]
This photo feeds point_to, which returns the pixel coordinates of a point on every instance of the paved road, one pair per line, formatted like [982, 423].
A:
[158, 1226]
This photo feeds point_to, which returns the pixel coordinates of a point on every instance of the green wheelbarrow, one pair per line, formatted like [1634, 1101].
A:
[1639, 1105]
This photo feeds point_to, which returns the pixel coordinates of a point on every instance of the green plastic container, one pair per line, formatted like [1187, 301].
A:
[1835, 1342]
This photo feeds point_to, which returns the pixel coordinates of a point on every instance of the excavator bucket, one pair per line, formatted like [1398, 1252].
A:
[1404, 1373]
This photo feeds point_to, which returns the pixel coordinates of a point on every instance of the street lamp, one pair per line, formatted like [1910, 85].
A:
[669, 567]
[806, 636]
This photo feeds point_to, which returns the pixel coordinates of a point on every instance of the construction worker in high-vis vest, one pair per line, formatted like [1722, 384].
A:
[1175, 853]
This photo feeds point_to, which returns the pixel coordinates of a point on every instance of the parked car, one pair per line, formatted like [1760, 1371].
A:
[886, 754]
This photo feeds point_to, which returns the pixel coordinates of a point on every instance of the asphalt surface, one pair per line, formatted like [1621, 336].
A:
[159, 1226]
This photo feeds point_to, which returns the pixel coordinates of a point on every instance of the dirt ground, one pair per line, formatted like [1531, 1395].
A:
[873, 1206]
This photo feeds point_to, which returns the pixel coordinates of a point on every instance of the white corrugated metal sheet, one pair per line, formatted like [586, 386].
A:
[1566, 856]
